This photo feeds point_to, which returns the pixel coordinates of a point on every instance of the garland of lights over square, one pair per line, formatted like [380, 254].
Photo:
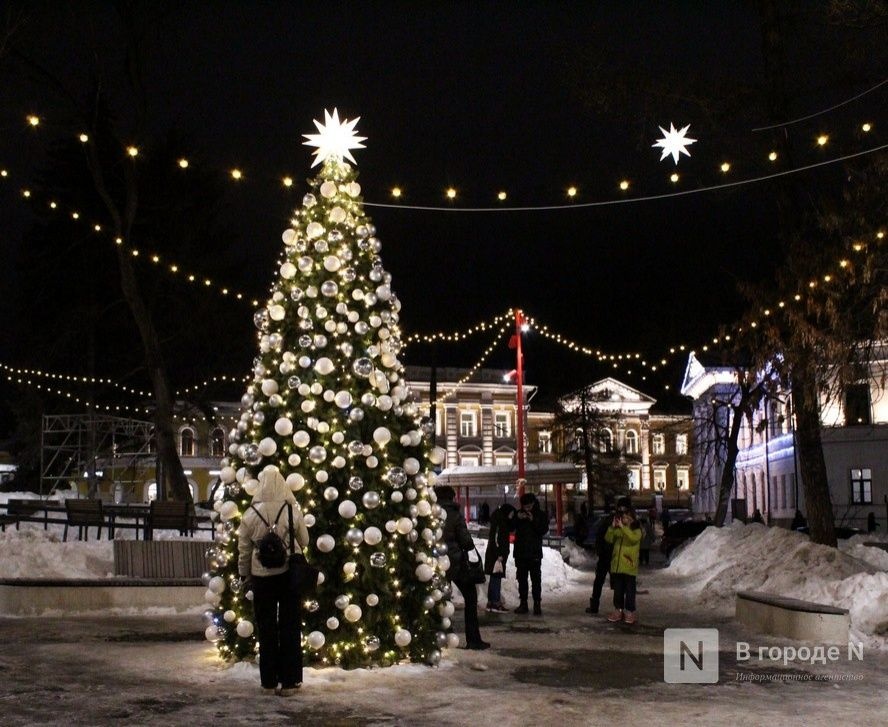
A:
[328, 407]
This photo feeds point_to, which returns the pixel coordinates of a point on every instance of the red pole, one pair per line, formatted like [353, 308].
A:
[519, 321]
[468, 509]
[559, 510]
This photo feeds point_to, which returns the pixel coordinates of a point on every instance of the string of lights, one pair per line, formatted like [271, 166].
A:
[572, 192]
[455, 336]
[74, 378]
[25, 381]
[478, 364]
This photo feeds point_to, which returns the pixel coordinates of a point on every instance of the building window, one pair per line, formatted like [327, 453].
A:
[472, 459]
[501, 428]
[467, 427]
[857, 405]
[659, 444]
[634, 478]
[862, 486]
[186, 442]
[503, 460]
[545, 439]
[152, 491]
[631, 442]
[218, 443]
[606, 440]
[682, 478]
[681, 444]
[659, 478]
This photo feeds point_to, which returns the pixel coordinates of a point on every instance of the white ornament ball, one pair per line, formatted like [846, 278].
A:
[372, 599]
[330, 494]
[332, 263]
[304, 361]
[328, 189]
[411, 465]
[324, 366]
[372, 535]
[423, 508]
[391, 526]
[314, 229]
[339, 462]
[343, 399]
[212, 598]
[403, 637]
[347, 509]
[384, 402]
[382, 436]
[276, 313]
[322, 476]
[251, 486]
[284, 427]
[309, 522]
[332, 623]
[227, 474]
[372, 462]
[337, 215]
[405, 525]
[307, 405]
[267, 447]
[295, 481]
[288, 271]
[228, 510]
[269, 387]
[452, 641]
[216, 584]
[424, 572]
[212, 633]
[352, 612]
[245, 629]
[301, 438]
[315, 640]
[397, 496]
[230, 616]
[325, 543]
[289, 236]
[436, 456]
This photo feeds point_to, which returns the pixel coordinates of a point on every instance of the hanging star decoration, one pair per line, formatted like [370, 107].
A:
[335, 138]
[674, 142]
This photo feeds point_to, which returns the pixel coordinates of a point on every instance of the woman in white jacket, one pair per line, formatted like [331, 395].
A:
[275, 606]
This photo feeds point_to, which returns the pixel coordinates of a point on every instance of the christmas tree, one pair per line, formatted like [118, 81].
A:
[329, 408]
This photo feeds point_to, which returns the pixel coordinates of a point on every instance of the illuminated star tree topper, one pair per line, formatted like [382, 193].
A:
[674, 142]
[335, 139]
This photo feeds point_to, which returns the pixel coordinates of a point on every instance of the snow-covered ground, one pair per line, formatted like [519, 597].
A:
[565, 666]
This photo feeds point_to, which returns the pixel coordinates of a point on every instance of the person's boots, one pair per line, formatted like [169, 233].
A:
[522, 607]
[537, 609]
[593, 606]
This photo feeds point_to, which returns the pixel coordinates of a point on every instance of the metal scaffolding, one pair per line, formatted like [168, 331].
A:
[98, 449]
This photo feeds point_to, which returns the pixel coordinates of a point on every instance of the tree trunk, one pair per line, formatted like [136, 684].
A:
[587, 455]
[811, 462]
[172, 480]
[726, 483]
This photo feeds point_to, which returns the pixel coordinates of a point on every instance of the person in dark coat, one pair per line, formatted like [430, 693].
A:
[502, 523]
[484, 514]
[531, 524]
[871, 523]
[459, 544]
[798, 521]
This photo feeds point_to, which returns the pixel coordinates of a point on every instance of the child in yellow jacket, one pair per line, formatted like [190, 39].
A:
[625, 535]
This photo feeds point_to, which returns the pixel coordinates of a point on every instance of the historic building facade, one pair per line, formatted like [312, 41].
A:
[855, 447]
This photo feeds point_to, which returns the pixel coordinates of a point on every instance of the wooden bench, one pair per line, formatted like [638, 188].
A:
[768, 613]
[170, 515]
[35, 511]
[84, 514]
[160, 558]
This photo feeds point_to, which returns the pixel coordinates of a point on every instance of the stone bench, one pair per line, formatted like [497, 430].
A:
[51, 596]
[791, 618]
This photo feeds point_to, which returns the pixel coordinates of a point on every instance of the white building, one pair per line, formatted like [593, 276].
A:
[855, 448]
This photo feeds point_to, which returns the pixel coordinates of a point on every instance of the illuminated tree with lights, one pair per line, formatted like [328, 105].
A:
[329, 407]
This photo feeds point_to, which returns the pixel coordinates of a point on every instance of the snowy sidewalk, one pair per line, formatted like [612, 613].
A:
[565, 667]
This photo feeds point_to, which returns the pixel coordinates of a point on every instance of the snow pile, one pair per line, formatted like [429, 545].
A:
[855, 547]
[36, 553]
[576, 556]
[722, 561]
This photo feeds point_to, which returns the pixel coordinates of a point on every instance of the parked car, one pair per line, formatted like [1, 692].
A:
[679, 533]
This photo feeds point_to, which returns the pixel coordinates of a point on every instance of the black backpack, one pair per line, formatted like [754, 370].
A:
[271, 550]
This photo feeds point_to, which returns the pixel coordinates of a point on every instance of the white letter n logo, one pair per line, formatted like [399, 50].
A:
[690, 656]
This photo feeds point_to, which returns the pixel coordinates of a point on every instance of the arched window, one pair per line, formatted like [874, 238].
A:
[631, 441]
[186, 442]
[659, 444]
[606, 440]
[217, 446]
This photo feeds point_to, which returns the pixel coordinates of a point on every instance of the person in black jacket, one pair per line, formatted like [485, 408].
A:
[501, 524]
[459, 544]
[604, 551]
[531, 524]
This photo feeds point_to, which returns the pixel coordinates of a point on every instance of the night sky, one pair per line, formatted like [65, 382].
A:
[530, 98]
